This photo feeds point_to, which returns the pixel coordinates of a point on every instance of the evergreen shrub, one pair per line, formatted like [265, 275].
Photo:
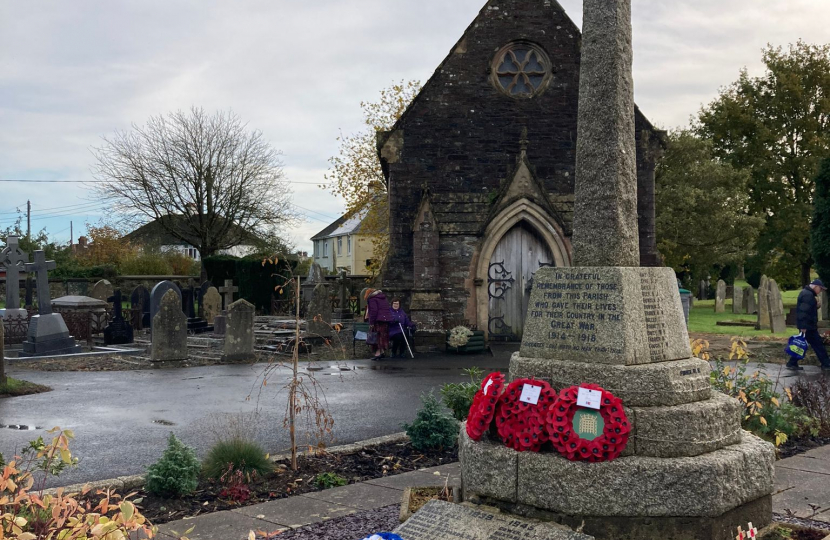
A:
[176, 473]
[433, 429]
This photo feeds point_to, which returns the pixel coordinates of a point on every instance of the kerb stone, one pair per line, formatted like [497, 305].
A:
[606, 315]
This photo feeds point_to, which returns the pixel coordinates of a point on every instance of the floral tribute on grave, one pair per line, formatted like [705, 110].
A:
[588, 423]
[521, 414]
[484, 406]
[747, 535]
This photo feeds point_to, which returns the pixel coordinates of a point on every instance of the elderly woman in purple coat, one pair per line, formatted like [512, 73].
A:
[379, 315]
[400, 324]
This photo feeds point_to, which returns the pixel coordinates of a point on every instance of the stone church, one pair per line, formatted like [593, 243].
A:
[480, 172]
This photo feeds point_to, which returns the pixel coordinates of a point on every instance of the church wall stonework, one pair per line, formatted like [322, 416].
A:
[459, 141]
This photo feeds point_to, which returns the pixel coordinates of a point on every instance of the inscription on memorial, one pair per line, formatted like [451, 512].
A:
[605, 315]
[439, 520]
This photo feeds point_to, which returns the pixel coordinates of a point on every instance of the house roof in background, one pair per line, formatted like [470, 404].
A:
[155, 233]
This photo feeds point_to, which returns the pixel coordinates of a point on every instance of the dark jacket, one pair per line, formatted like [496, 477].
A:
[807, 309]
[378, 308]
[399, 317]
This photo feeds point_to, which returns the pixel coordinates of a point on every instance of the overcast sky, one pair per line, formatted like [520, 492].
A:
[72, 71]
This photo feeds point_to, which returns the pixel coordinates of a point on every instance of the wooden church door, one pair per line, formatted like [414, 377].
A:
[517, 257]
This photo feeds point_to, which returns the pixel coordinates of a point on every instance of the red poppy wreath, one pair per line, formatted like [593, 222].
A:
[484, 406]
[585, 434]
[521, 423]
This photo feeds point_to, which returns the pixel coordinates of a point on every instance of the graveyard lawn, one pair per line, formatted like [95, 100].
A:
[16, 387]
[365, 464]
[703, 319]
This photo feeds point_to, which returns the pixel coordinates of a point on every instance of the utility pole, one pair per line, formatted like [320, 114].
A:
[29, 221]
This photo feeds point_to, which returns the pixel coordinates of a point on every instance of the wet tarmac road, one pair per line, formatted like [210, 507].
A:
[122, 419]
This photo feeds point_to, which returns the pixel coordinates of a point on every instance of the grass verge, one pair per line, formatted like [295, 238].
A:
[16, 387]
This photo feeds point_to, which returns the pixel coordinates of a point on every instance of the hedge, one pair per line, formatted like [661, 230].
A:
[256, 281]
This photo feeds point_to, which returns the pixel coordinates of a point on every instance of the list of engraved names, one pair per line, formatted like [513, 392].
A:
[578, 309]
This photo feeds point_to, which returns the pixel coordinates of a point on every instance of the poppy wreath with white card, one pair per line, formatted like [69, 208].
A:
[588, 423]
[484, 405]
[522, 412]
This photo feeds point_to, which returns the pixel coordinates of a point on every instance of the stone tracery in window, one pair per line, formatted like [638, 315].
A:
[521, 69]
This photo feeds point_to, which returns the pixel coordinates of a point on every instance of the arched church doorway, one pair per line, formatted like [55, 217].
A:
[519, 254]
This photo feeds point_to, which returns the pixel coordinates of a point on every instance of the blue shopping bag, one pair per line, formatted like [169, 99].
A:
[383, 536]
[797, 346]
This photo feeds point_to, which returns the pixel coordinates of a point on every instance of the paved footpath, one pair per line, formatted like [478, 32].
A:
[802, 487]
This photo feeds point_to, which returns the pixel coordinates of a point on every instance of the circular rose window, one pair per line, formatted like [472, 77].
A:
[521, 70]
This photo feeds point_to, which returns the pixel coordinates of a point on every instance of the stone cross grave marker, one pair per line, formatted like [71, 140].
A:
[211, 304]
[156, 295]
[140, 300]
[720, 297]
[169, 328]
[227, 291]
[738, 300]
[239, 333]
[118, 331]
[13, 259]
[47, 333]
[41, 269]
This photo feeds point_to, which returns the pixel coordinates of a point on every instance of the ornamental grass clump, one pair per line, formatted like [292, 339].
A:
[433, 429]
[176, 473]
[238, 455]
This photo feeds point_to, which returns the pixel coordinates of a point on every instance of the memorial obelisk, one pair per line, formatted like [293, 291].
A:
[688, 471]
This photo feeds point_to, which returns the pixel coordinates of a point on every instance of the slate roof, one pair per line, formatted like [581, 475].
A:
[155, 233]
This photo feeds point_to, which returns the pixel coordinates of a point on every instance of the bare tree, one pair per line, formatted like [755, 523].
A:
[205, 179]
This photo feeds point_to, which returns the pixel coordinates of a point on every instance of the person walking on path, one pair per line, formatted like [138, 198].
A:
[400, 324]
[379, 315]
[807, 314]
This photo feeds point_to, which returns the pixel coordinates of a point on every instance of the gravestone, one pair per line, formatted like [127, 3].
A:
[13, 259]
[318, 314]
[101, 290]
[738, 300]
[343, 312]
[763, 305]
[118, 331]
[157, 294]
[140, 300]
[169, 328]
[703, 290]
[227, 292]
[777, 317]
[792, 317]
[720, 297]
[750, 305]
[195, 324]
[203, 289]
[211, 304]
[30, 289]
[313, 278]
[688, 471]
[239, 335]
[48, 334]
[220, 323]
[441, 520]
[187, 303]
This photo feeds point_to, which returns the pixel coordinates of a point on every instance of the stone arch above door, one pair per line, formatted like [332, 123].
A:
[531, 216]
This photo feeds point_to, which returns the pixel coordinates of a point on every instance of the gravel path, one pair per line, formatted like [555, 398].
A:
[354, 527]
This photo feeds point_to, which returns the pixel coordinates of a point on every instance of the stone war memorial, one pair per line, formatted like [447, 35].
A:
[687, 471]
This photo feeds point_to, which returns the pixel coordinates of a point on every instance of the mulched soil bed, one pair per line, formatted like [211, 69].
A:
[371, 462]
[795, 447]
[352, 527]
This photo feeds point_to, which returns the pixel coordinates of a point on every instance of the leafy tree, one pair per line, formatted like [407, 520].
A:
[355, 173]
[702, 208]
[106, 246]
[820, 231]
[777, 127]
[204, 178]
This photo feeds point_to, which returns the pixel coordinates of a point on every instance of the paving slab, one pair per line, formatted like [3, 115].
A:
[359, 496]
[795, 491]
[225, 525]
[806, 464]
[294, 511]
[787, 478]
[822, 452]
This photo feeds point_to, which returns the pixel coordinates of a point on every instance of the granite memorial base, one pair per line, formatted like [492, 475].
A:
[441, 520]
[701, 497]
[48, 335]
